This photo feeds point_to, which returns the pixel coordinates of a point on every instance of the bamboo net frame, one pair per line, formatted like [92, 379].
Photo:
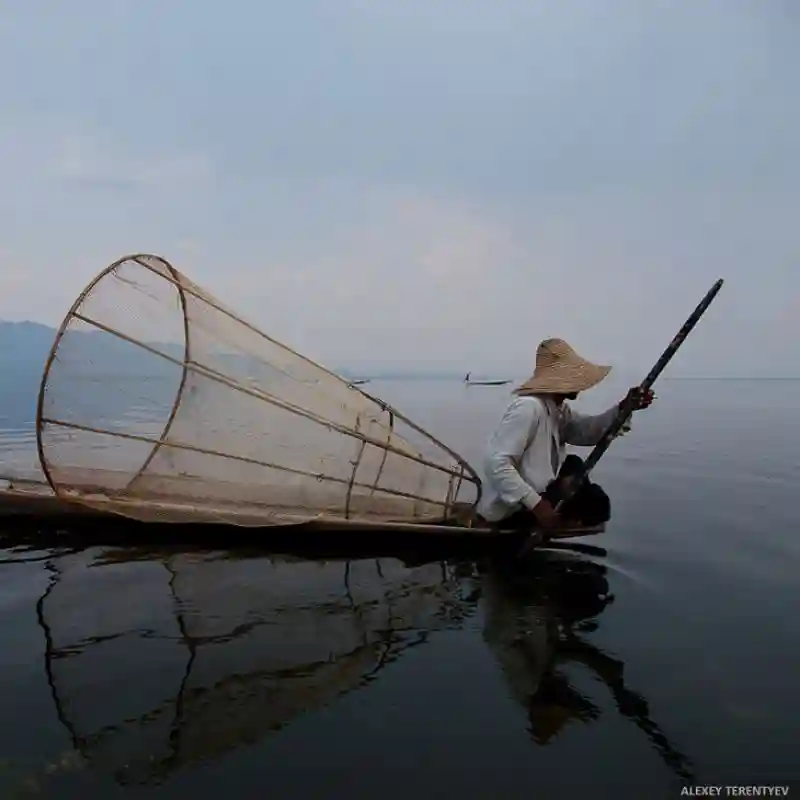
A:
[161, 404]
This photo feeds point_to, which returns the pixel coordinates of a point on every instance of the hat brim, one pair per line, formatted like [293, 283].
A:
[565, 379]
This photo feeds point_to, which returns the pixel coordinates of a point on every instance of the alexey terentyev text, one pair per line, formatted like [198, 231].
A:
[734, 791]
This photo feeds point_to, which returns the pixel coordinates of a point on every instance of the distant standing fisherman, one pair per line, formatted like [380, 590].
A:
[527, 451]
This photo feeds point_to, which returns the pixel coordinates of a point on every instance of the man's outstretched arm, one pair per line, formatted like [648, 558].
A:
[585, 430]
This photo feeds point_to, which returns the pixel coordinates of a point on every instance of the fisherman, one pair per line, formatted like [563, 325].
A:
[525, 467]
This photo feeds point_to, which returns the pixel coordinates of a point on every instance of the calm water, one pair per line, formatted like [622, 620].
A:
[668, 653]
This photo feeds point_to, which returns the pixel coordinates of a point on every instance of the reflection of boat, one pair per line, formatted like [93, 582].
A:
[190, 656]
[535, 624]
[470, 382]
[220, 651]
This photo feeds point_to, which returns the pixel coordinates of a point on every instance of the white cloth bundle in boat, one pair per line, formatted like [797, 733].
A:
[161, 404]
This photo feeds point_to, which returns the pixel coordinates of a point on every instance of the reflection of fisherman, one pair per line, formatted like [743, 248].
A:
[524, 645]
[524, 629]
[533, 626]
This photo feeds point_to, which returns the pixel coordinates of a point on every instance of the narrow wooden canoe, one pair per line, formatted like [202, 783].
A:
[34, 503]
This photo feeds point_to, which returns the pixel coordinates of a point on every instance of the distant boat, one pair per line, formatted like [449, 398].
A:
[360, 382]
[469, 382]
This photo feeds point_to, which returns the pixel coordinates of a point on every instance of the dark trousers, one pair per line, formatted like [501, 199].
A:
[589, 505]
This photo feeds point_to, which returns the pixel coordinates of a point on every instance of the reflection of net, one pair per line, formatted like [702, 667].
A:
[160, 404]
[217, 653]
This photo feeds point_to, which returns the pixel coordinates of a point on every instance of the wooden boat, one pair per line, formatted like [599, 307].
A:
[488, 383]
[238, 430]
[33, 503]
[470, 382]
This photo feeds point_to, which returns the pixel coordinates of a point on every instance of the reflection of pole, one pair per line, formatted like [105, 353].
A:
[630, 704]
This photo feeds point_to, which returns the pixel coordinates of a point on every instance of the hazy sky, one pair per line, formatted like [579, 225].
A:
[437, 183]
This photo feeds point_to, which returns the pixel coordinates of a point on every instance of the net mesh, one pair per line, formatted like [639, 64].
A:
[160, 404]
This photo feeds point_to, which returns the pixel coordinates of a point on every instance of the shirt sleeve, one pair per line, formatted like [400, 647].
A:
[584, 430]
[505, 450]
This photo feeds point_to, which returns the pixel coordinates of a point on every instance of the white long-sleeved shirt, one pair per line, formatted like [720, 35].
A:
[527, 450]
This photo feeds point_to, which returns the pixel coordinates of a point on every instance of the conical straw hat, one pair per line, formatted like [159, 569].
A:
[560, 370]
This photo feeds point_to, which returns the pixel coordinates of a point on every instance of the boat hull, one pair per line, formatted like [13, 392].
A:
[33, 506]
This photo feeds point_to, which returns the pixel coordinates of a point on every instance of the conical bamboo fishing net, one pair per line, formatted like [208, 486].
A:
[160, 404]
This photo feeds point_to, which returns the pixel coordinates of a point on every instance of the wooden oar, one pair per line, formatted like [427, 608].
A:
[626, 408]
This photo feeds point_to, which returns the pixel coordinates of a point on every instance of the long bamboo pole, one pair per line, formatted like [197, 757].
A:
[626, 409]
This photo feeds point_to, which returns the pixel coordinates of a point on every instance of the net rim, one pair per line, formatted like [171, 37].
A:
[62, 329]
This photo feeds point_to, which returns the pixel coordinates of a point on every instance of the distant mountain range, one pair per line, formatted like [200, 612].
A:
[88, 370]
[25, 346]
